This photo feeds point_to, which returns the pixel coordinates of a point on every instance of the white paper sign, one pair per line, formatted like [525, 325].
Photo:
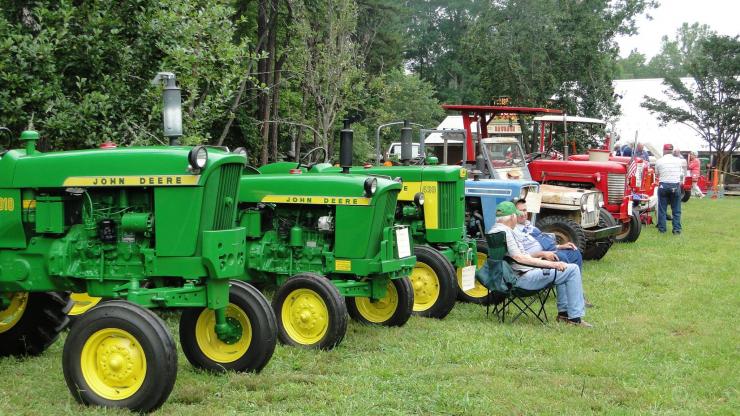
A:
[404, 244]
[468, 277]
[590, 207]
[629, 208]
[534, 199]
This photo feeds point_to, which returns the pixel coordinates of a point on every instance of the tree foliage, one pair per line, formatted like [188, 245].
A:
[712, 107]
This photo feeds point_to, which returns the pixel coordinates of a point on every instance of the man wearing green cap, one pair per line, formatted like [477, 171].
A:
[535, 274]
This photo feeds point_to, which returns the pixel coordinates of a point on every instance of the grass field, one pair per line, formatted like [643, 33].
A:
[666, 341]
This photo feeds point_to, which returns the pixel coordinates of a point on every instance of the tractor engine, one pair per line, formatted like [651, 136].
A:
[110, 231]
[285, 238]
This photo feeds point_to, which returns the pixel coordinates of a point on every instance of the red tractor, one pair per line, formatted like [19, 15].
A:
[621, 180]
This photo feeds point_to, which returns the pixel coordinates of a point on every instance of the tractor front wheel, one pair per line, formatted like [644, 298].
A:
[393, 310]
[434, 282]
[630, 230]
[310, 312]
[250, 314]
[595, 250]
[120, 355]
[479, 293]
[565, 229]
[32, 322]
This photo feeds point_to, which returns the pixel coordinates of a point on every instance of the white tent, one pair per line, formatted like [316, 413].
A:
[450, 122]
[630, 93]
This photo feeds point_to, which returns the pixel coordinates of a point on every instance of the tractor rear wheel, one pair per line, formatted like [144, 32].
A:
[32, 322]
[595, 250]
[393, 310]
[249, 311]
[478, 294]
[120, 355]
[310, 312]
[630, 230]
[434, 282]
[565, 229]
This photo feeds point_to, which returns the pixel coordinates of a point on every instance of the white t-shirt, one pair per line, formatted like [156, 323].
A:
[513, 246]
[669, 169]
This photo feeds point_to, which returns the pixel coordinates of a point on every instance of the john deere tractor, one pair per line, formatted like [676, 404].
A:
[323, 238]
[432, 205]
[147, 228]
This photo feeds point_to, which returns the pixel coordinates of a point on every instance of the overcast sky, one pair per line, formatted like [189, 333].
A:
[722, 16]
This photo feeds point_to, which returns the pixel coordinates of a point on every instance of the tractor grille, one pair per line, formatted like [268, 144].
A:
[390, 207]
[226, 199]
[448, 204]
[616, 188]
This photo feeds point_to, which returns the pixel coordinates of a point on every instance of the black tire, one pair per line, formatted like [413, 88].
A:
[310, 312]
[247, 307]
[32, 322]
[120, 334]
[393, 310]
[479, 294]
[565, 229]
[630, 230]
[434, 282]
[595, 250]
[685, 195]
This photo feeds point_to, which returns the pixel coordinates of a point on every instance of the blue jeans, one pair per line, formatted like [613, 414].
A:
[567, 283]
[669, 193]
[571, 257]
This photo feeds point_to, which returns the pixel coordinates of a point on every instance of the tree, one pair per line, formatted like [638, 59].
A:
[712, 107]
[675, 54]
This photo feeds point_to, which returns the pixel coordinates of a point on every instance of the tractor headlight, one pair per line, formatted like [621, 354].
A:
[419, 199]
[371, 185]
[198, 157]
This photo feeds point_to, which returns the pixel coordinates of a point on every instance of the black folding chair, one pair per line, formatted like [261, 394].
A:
[500, 278]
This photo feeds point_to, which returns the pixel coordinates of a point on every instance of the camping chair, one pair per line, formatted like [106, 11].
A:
[498, 276]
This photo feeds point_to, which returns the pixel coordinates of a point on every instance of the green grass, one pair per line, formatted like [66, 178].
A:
[666, 341]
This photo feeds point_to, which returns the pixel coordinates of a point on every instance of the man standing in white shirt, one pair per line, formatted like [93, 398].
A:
[669, 170]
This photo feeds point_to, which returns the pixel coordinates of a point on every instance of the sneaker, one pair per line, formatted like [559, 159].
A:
[677, 233]
[562, 318]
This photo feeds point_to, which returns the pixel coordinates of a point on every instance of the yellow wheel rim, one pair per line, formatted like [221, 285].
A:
[382, 310]
[209, 343]
[305, 316]
[82, 303]
[479, 291]
[13, 313]
[113, 364]
[426, 287]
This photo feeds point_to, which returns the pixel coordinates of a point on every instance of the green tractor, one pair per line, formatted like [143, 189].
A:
[432, 205]
[146, 228]
[321, 239]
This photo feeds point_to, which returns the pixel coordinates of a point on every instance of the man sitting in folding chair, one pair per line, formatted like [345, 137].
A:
[535, 274]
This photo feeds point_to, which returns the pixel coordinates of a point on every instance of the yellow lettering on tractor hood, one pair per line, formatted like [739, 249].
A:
[150, 180]
[431, 200]
[316, 200]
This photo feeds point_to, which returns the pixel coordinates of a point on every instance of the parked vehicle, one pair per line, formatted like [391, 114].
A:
[572, 214]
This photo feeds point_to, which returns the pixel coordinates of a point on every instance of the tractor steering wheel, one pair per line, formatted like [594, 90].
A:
[307, 157]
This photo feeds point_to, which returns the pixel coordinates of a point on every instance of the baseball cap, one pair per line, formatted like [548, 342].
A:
[667, 146]
[506, 208]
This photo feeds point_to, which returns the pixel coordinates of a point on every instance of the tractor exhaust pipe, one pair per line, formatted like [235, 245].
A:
[345, 147]
[406, 149]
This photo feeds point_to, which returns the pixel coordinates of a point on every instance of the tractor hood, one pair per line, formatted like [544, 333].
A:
[553, 196]
[625, 160]
[543, 170]
[126, 166]
[319, 188]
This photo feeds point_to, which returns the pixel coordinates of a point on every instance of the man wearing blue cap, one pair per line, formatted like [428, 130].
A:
[535, 274]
